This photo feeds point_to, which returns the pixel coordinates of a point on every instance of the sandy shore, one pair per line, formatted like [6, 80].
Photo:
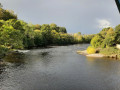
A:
[84, 52]
[96, 55]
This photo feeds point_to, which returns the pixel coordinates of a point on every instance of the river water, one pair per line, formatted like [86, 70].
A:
[59, 68]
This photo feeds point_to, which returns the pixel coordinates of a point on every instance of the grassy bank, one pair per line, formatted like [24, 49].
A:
[110, 52]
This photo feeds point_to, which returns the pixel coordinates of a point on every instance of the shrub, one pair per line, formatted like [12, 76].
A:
[91, 50]
[3, 50]
[109, 51]
[97, 41]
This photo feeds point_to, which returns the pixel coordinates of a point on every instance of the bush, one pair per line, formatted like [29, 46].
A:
[97, 41]
[3, 50]
[91, 50]
[109, 51]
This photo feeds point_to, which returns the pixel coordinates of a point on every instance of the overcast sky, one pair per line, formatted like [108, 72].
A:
[85, 16]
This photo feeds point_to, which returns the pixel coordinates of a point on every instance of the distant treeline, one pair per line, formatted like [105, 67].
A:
[17, 34]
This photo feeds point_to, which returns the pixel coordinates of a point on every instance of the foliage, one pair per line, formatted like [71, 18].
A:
[109, 39]
[3, 50]
[1, 5]
[106, 38]
[79, 38]
[10, 37]
[91, 50]
[7, 14]
[17, 34]
[97, 41]
[117, 33]
[110, 51]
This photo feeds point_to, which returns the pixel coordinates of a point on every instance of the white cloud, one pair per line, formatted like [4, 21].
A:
[104, 23]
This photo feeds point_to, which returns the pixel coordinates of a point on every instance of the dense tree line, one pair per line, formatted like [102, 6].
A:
[17, 34]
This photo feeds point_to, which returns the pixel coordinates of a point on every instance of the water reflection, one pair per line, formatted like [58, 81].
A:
[15, 57]
[59, 68]
[44, 54]
[103, 65]
[2, 68]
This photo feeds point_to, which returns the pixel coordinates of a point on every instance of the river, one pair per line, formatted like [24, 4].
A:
[59, 68]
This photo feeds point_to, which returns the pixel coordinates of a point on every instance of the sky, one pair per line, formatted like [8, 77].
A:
[85, 16]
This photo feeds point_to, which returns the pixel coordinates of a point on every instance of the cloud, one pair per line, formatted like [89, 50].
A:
[104, 23]
[75, 15]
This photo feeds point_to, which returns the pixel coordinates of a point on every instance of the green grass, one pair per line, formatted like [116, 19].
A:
[110, 51]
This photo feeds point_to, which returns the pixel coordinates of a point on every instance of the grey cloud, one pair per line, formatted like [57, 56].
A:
[75, 15]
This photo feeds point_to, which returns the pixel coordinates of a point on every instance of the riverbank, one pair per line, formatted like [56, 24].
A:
[97, 55]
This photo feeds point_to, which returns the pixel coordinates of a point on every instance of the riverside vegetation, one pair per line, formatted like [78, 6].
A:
[17, 34]
[105, 42]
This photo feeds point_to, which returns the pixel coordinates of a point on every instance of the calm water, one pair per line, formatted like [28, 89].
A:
[59, 68]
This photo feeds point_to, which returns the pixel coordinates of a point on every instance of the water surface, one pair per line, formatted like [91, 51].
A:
[59, 68]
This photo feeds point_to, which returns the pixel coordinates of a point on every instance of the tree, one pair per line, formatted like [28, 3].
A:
[53, 26]
[37, 26]
[11, 37]
[28, 40]
[117, 33]
[1, 5]
[45, 27]
[62, 30]
[109, 38]
[79, 33]
[55, 37]
[97, 41]
[104, 31]
[7, 14]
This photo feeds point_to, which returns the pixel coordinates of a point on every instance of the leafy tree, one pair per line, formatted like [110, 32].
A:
[53, 26]
[10, 37]
[55, 37]
[109, 38]
[104, 31]
[117, 33]
[7, 14]
[1, 5]
[62, 29]
[79, 33]
[37, 26]
[29, 36]
[97, 41]
[45, 27]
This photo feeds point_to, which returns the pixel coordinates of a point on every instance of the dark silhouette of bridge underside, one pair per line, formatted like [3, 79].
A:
[118, 4]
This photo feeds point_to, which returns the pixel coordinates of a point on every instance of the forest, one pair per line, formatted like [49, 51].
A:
[18, 34]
